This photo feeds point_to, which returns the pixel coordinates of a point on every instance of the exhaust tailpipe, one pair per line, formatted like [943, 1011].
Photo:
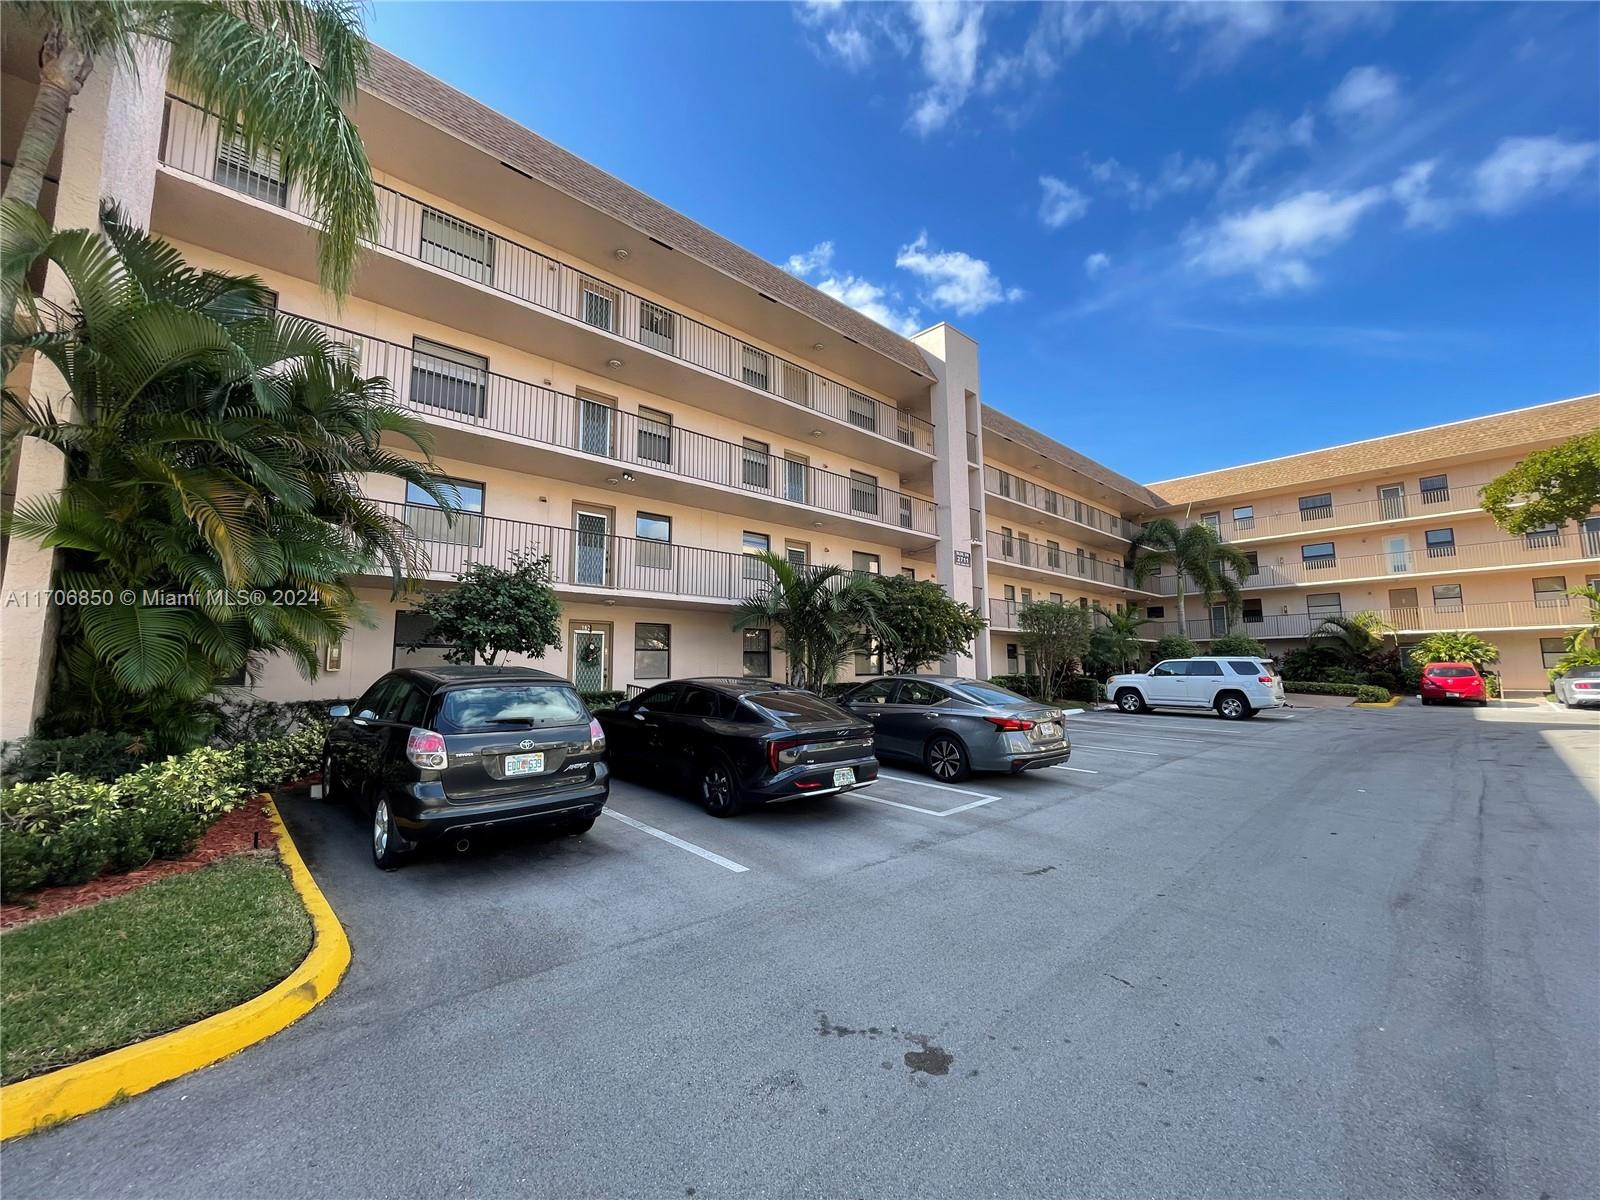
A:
[461, 846]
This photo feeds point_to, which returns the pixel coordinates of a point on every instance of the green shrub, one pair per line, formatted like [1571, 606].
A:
[1174, 645]
[102, 756]
[601, 699]
[1364, 692]
[1080, 687]
[1238, 643]
[1022, 685]
[250, 720]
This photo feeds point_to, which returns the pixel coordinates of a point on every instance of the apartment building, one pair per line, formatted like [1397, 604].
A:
[1394, 525]
[617, 387]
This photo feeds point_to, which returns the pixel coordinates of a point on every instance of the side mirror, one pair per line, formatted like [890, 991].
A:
[339, 710]
[638, 713]
[366, 714]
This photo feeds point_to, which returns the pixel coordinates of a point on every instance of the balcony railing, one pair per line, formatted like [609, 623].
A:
[445, 390]
[1460, 496]
[1003, 614]
[410, 227]
[1032, 495]
[581, 558]
[1531, 550]
[1560, 612]
[1025, 552]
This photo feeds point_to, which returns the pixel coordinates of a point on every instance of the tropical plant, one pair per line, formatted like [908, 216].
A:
[826, 615]
[1576, 658]
[1238, 643]
[1173, 645]
[929, 624]
[1455, 646]
[1548, 487]
[1055, 637]
[1353, 637]
[1115, 642]
[1586, 637]
[494, 611]
[1197, 557]
[212, 511]
[244, 60]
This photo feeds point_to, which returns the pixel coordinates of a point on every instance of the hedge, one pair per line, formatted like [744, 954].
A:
[1363, 692]
[1073, 687]
[601, 699]
[68, 829]
[100, 756]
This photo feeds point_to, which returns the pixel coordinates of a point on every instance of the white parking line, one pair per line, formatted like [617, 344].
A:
[1149, 737]
[708, 855]
[1079, 770]
[1116, 750]
[943, 787]
[982, 797]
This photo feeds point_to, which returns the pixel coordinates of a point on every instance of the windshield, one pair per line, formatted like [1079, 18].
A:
[509, 706]
[989, 693]
[1450, 672]
[797, 706]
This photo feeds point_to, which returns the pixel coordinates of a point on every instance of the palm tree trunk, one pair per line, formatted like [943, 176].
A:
[1183, 620]
[62, 69]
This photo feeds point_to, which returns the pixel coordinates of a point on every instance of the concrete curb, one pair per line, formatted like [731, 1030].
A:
[1391, 702]
[84, 1087]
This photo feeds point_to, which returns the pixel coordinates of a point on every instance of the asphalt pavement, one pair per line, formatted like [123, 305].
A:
[1320, 953]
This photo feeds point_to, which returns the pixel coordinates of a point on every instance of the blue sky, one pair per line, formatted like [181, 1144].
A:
[1184, 236]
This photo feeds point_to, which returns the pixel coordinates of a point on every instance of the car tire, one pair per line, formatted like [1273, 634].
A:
[332, 787]
[1130, 701]
[717, 787]
[578, 827]
[1425, 700]
[1231, 706]
[946, 758]
[388, 846]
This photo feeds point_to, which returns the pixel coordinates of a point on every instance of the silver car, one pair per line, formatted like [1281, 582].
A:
[1581, 685]
[955, 726]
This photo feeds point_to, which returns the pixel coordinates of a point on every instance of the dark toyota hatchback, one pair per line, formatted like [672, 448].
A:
[740, 742]
[435, 752]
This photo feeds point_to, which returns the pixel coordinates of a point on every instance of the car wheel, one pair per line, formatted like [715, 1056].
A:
[1232, 707]
[332, 785]
[719, 790]
[1425, 700]
[1130, 701]
[578, 827]
[387, 845]
[946, 759]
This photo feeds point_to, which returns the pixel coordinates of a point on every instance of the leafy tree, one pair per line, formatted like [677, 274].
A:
[1238, 643]
[1056, 637]
[1115, 643]
[244, 60]
[1454, 647]
[497, 610]
[1174, 645]
[1548, 487]
[929, 624]
[213, 448]
[826, 614]
[1197, 557]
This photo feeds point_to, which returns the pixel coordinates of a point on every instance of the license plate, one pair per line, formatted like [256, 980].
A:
[1049, 731]
[844, 776]
[525, 764]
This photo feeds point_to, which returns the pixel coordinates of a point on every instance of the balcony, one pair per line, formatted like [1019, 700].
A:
[1507, 553]
[488, 418]
[580, 318]
[1003, 616]
[1461, 496]
[1024, 500]
[584, 564]
[1055, 564]
[1559, 613]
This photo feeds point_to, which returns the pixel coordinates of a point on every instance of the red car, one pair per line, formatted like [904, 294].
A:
[1443, 681]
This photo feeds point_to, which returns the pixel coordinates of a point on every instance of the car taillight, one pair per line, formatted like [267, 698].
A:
[1009, 724]
[1263, 678]
[597, 735]
[783, 753]
[425, 749]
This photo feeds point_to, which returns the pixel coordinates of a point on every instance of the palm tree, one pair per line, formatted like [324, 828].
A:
[1355, 636]
[244, 60]
[826, 614]
[1587, 637]
[1196, 555]
[213, 452]
[1117, 636]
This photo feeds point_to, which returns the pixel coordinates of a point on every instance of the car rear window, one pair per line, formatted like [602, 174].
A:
[1242, 666]
[989, 693]
[795, 706]
[509, 706]
[1450, 672]
[1584, 673]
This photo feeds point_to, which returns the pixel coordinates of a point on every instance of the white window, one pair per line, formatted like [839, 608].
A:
[754, 544]
[869, 564]
[447, 378]
[863, 493]
[655, 435]
[1550, 591]
[658, 327]
[599, 306]
[654, 540]
[756, 366]
[458, 247]
[757, 461]
[862, 411]
[258, 173]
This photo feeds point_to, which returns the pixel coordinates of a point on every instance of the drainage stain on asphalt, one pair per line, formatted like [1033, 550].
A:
[926, 1059]
[1040, 871]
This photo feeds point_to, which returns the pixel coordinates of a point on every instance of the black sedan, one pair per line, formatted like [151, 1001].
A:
[739, 742]
[449, 751]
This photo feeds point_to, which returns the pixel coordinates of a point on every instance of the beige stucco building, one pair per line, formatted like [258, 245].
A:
[616, 386]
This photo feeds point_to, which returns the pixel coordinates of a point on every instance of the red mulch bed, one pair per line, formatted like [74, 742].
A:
[244, 829]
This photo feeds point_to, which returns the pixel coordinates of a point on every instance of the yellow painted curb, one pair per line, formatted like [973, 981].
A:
[1389, 703]
[86, 1086]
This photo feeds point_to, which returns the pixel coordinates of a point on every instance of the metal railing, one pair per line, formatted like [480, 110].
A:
[1563, 612]
[1529, 550]
[1032, 495]
[446, 390]
[580, 558]
[1460, 496]
[1004, 614]
[191, 143]
[1071, 564]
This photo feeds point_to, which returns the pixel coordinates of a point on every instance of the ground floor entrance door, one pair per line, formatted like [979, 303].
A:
[591, 656]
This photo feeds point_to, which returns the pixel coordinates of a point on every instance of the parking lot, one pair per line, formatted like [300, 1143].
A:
[1323, 952]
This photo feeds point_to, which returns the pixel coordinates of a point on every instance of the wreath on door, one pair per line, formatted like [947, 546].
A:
[589, 654]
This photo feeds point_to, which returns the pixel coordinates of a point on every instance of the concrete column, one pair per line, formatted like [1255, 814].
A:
[953, 358]
[109, 150]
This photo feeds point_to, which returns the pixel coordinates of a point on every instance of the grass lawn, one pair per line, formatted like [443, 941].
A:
[137, 965]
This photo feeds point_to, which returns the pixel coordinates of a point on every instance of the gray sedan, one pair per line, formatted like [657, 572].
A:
[955, 726]
[1581, 685]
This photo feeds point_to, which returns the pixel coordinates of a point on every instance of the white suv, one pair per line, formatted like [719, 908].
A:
[1235, 687]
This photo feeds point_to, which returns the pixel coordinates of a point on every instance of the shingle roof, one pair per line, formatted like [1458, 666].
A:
[1140, 497]
[409, 87]
[1542, 423]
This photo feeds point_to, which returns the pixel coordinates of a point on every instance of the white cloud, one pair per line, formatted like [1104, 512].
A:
[952, 36]
[1177, 175]
[1365, 98]
[1413, 191]
[1261, 137]
[850, 45]
[871, 300]
[1274, 242]
[957, 281]
[818, 258]
[1096, 263]
[1061, 203]
[1520, 168]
